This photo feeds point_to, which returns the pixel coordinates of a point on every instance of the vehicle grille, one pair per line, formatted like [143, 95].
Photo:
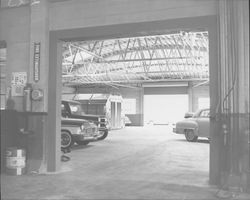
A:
[103, 120]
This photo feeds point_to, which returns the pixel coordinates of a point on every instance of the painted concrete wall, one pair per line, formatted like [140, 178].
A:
[77, 13]
[137, 94]
[194, 93]
[15, 31]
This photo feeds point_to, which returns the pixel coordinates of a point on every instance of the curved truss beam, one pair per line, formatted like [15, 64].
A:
[183, 55]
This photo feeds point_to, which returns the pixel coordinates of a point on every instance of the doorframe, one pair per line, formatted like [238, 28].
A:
[208, 23]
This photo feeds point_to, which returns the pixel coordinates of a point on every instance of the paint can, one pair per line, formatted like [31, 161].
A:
[15, 161]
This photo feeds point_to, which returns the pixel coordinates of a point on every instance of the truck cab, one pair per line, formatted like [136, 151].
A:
[73, 109]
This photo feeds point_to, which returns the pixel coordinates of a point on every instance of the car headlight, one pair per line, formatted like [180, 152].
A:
[82, 127]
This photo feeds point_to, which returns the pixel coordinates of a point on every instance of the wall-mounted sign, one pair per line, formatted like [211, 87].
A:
[18, 81]
[36, 69]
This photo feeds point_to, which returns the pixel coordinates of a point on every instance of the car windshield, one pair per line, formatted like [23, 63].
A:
[199, 113]
[76, 108]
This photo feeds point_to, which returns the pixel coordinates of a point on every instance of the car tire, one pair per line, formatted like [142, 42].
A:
[82, 142]
[102, 135]
[66, 139]
[190, 136]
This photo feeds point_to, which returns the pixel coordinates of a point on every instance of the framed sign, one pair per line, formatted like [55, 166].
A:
[36, 67]
[18, 81]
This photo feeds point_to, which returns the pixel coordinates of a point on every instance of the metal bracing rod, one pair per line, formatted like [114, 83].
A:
[101, 47]
[125, 69]
[120, 48]
[135, 81]
[138, 60]
[113, 75]
[70, 50]
[183, 43]
[94, 45]
[97, 68]
[125, 53]
[87, 51]
[146, 69]
[126, 86]
[202, 83]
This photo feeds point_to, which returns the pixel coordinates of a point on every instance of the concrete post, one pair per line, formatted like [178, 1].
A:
[234, 94]
[142, 106]
[190, 97]
[43, 74]
[38, 70]
[53, 139]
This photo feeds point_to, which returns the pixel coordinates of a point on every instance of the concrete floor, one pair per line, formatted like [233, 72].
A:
[133, 163]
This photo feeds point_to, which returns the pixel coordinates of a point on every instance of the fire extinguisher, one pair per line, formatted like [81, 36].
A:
[27, 105]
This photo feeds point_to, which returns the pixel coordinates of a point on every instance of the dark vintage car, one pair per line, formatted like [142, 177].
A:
[195, 125]
[73, 109]
[77, 131]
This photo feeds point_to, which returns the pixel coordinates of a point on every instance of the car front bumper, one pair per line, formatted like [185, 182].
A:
[178, 130]
[81, 137]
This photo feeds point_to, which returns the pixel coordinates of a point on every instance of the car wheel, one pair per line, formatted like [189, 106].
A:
[190, 136]
[82, 142]
[102, 135]
[66, 139]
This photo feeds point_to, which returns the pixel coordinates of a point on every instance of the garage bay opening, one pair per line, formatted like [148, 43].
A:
[138, 107]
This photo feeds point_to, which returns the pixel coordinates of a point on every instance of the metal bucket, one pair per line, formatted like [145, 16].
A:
[15, 161]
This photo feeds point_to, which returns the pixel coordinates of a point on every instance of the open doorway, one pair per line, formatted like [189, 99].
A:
[112, 35]
[170, 68]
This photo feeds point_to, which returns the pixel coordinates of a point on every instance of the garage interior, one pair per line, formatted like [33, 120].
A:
[172, 64]
[187, 54]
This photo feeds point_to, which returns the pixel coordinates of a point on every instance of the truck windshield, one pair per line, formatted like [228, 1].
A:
[76, 109]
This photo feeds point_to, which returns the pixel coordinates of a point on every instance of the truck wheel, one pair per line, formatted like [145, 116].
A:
[102, 135]
[82, 142]
[190, 136]
[66, 139]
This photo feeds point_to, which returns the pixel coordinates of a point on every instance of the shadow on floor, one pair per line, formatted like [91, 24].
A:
[78, 147]
[198, 141]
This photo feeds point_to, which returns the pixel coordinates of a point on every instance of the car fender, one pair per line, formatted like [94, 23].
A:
[187, 125]
[74, 130]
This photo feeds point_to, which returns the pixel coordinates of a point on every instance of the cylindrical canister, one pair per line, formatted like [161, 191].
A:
[27, 105]
[15, 161]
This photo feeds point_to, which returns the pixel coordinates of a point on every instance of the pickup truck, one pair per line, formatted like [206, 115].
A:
[73, 109]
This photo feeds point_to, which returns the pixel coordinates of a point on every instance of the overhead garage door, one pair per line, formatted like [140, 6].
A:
[164, 109]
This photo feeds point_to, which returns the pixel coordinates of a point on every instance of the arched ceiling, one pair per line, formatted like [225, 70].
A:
[178, 56]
